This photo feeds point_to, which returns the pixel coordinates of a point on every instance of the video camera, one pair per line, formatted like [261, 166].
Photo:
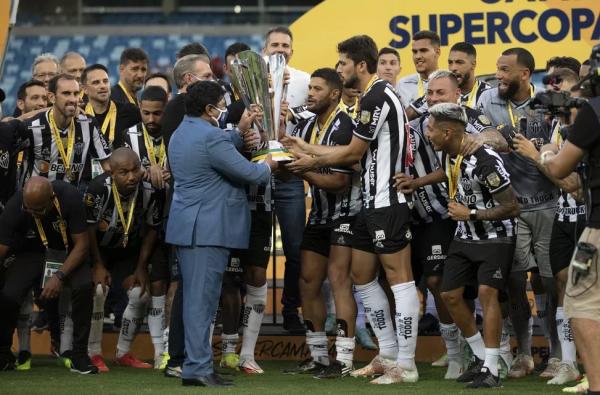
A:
[555, 103]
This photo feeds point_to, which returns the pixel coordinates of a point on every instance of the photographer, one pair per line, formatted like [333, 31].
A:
[582, 296]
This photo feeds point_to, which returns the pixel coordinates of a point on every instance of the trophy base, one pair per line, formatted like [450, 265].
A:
[278, 153]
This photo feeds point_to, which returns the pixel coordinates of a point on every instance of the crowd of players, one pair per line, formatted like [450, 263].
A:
[432, 181]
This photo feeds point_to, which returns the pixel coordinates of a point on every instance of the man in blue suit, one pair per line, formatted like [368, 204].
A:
[209, 216]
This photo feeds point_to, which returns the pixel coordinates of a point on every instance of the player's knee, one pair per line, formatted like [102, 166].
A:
[488, 294]
[434, 283]
[452, 298]
[136, 299]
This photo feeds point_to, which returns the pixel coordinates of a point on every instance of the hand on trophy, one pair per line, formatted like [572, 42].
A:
[302, 164]
[249, 116]
[296, 144]
[272, 164]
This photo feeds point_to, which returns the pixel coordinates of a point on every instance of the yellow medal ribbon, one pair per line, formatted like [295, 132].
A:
[420, 88]
[110, 121]
[370, 84]
[452, 174]
[65, 156]
[472, 99]
[316, 134]
[513, 121]
[131, 99]
[126, 225]
[342, 106]
[162, 154]
[61, 225]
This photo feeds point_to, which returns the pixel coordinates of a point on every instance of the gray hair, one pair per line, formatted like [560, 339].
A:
[439, 74]
[449, 112]
[45, 57]
[185, 65]
[70, 54]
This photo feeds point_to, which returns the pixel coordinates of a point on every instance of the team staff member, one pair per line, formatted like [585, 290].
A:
[62, 144]
[46, 218]
[388, 65]
[209, 173]
[133, 67]
[325, 248]
[382, 228]
[122, 217]
[462, 61]
[484, 205]
[112, 117]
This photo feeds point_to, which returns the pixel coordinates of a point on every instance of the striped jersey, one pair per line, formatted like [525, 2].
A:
[134, 138]
[102, 212]
[470, 99]
[42, 158]
[481, 176]
[326, 206]
[382, 123]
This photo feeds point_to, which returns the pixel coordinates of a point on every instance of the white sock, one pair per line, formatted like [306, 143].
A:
[96, 327]
[156, 323]
[166, 339]
[66, 322]
[23, 331]
[344, 347]
[565, 335]
[491, 360]
[256, 299]
[477, 346]
[407, 323]
[317, 343]
[133, 316]
[229, 343]
[505, 337]
[377, 309]
[450, 334]
[360, 310]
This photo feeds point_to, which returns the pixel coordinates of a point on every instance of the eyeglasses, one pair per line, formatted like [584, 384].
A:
[44, 75]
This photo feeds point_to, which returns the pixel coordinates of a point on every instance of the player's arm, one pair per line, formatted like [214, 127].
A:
[77, 254]
[335, 182]
[407, 184]
[507, 207]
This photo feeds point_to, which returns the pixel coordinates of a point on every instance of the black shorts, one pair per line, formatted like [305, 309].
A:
[478, 263]
[382, 230]
[160, 262]
[259, 248]
[430, 246]
[122, 262]
[320, 237]
[562, 243]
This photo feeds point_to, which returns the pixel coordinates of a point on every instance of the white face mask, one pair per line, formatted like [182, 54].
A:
[220, 116]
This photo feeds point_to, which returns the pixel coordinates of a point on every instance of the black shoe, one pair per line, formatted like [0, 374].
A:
[472, 371]
[485, 379]
[7, 361]
[82, 364]
[211, 380]
[308, 366]
[335, 370]
[23, 357]
[292, 324]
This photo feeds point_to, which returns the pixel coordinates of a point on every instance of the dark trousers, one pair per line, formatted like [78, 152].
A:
[25, 272]
[176, 335]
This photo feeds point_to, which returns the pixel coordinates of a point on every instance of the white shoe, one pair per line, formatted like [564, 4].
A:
[396, 374]
[249, 366]
[521, 367]
[565, 373]
[441, 362]
[504, 363]
[455, 369]
[551, 368]
[158, 361]
[376, 367]
[579, 388]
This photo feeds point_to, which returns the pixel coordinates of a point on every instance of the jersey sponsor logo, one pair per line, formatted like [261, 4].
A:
[343, 228]
[376, 114]
[60, 168]
[365, 117]
[4, 159]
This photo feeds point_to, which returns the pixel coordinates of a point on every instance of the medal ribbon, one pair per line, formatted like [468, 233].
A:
[510, 113]
[109, 121]
[126, 225]
[61, 224]
[65, 156]
[316, 135]
[132, 100]
[151, 151]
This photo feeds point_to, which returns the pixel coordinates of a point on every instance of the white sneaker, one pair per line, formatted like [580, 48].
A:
[579, 388]
[396, 374]
[441, 362]
[455, 369]
[376, 367]
[504, 363]
[565, 373]
[521, 367]
[158, 359]
[551, 368]
[249, 366]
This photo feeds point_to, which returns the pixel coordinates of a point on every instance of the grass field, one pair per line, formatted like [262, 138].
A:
[46, 377]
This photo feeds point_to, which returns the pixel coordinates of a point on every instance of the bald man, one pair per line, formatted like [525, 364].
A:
[120, 250]
[44, 227]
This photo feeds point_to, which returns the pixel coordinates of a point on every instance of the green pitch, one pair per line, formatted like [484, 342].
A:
[46, 377]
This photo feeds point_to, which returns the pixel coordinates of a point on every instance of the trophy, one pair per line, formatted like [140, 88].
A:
[259, 83]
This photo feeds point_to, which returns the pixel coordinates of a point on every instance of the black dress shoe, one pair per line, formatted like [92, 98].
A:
[211, 380]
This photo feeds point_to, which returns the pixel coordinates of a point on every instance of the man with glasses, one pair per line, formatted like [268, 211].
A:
[44, 227]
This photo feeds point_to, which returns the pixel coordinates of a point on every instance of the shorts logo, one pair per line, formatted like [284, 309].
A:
[498, 275]
[436, 249]
[341, 240]
[343, 228]
[379, 235]
[408, 235]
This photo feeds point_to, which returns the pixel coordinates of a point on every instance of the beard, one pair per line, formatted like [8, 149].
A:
[465, 79]
[318, 108]
[513, 87]
[352, 82]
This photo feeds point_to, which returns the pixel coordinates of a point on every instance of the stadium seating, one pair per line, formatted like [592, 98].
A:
[104, 49]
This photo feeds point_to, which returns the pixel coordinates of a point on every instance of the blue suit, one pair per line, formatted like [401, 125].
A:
[209, 216]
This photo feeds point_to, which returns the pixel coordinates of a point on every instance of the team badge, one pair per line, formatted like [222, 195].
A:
[365, 117]
[89, 200]
[484, 120]
[493, 179]
[4, 159]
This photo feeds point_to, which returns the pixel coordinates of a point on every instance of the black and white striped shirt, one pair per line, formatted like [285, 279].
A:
[431, 201]
[382, 122]
[326, 206]
[134, 138]
[482, 175]
[42, 157]
[102, 212]
[471, 101]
